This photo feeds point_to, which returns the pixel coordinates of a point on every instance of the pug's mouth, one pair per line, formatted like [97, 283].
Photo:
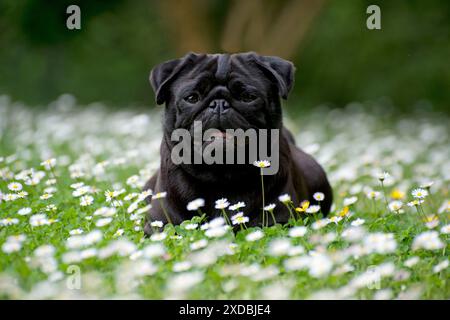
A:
[203, 144]
[220, 136]
[226, 139]
[226, 132]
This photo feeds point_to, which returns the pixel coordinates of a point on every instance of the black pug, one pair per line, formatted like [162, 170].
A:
[229, 91]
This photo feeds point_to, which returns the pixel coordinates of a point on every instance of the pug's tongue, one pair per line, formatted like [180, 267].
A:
[220, 134]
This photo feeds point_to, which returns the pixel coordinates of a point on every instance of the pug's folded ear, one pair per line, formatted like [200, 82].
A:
[163, 74]
[282, 71]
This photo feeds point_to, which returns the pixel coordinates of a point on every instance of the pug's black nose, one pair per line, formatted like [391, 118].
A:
[219, 105]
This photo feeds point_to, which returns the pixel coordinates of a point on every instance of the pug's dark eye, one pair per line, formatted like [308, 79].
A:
[247, 97]
[192, 98]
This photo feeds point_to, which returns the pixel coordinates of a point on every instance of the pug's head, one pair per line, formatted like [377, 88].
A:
[222, 91]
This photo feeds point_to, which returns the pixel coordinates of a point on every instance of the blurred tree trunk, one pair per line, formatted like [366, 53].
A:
[187, 21]
[268, 27]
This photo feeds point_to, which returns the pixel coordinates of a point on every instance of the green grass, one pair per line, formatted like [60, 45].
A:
[103, 149]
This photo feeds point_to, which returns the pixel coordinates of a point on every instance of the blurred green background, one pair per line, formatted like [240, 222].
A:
[338, 59]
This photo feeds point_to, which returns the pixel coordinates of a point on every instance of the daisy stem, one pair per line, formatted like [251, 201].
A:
[273, 217]
[384, 195]
[263, 215]
[421, 216]
[226, 217]
[58, 182]
[149, 220]
[124, 213]
[291, 205]
[290, 211]
[89, 222]
[299, 215]
[262, 190]
[53, 173]
[423, 211]
[430, 196]
[165, 212]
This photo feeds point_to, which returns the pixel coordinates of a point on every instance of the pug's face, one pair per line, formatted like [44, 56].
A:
[222, 91]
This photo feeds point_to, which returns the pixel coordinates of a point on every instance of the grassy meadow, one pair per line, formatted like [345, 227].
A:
[72, 211]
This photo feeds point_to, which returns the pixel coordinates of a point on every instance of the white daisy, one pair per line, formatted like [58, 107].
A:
[262, 164]
[358, 222]
[46, 196]
[441, 266]
[335, 219]
[279, 247]
[191, 226]
[349, 201]
[395, 205]
[428, 240]
[159, 195]
[222, 203]
[75, 231]
[49, 163]
[411, 262]
[9, 221]
[118, 233]
[86, 201]
[216, 232]
[202, 243]
[419, 193]
[181, 266]
[319, 196]
[110, 195]
[284, 198]
[10, 197]
[296, 232]
[39, 220]
[269, 207]
[195, 204]
[319, 224]
[237, 206]
[383, 176]
[254, 236]
[239, 218]
[24, 211]
[11, 246]
[158, 236]
[77, 185]
[15, 186]
[373, 195]
[445, 229]
[313, 209]
[157, 224]
[103, 222]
